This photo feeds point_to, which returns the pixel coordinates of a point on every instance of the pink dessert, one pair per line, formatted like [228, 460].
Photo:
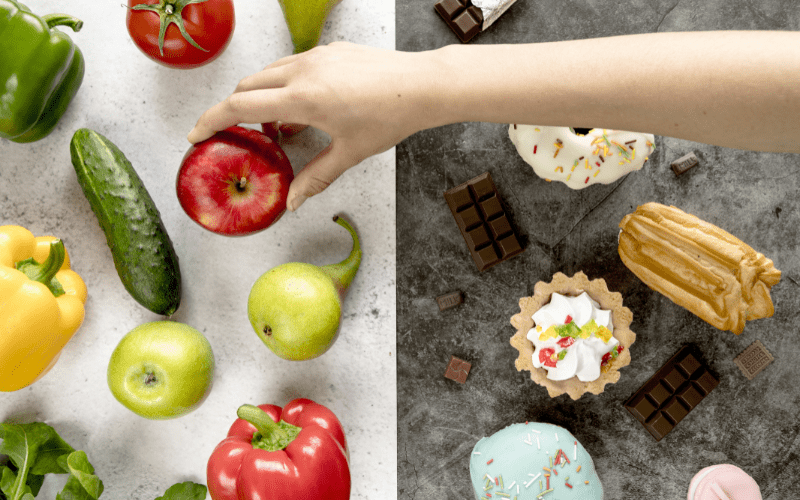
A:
[723, 482]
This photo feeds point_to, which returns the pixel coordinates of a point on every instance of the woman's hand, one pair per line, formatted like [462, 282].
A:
[366, 99]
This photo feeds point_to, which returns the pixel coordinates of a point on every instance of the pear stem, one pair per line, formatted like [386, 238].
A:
[344, 272]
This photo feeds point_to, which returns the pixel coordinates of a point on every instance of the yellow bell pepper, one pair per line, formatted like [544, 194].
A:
[41, 305]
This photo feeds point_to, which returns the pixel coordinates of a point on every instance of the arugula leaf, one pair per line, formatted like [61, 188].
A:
[7, 479]
[36, 449]
[33, 449]
[185, 491]
[82, 483]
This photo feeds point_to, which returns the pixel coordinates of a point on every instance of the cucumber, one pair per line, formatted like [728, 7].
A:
[143, 253]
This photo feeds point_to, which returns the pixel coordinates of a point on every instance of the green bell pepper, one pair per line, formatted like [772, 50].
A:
[40, 71]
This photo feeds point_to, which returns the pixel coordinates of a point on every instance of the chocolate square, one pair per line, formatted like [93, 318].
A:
[673, 379]
[509, 246]
[486, 257]
[500, 226]
[491, 207]
[642, 408]
[478, 237]
[753, 360]
[461, 199]
[465, 19]
[470, 218]
[660, 426]
[449, 8]
[684, 163]
[658, 394]
[689, 365]
[674, 410]
[450, 300]
[690, 396]
[457, 369]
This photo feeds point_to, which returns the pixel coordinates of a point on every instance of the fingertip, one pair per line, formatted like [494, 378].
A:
[294, 202]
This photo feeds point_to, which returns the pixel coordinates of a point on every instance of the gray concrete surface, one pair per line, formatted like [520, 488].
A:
[752, 424]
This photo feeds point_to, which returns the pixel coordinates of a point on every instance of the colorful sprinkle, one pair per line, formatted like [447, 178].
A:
[578, 469]
[534, 148]
[575, 453]
[490, 461]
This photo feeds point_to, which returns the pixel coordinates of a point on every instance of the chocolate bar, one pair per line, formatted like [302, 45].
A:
[450, 300]
[467, 18]
[753, 359]
[483, 222]
[672, 392]
[457, 369]
[684, 163]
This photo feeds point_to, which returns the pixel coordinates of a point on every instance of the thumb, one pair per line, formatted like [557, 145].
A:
[317, 175]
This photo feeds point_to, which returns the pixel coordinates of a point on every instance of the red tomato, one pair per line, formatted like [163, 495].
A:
[208, 24]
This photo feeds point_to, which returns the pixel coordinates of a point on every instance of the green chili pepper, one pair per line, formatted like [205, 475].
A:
[41, 69]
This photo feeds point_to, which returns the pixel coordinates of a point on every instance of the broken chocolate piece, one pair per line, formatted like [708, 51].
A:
[684, 163]
[457, 369]
[450, 300]
[672, 392]
[464, 19]
[482, 221]
[753, 359]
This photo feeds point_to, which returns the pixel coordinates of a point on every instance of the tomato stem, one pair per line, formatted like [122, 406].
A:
[170, 12]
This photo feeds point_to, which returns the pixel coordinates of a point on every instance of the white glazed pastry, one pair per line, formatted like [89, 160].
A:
[572, 337]
[533, 461]
[600, 156]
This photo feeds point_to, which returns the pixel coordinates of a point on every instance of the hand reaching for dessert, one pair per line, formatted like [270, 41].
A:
[370, 99]
[360, 96]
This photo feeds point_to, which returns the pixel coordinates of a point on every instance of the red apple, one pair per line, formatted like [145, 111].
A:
[235, 183]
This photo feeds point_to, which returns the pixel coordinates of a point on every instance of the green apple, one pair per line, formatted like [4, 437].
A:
[161, 369]
[296, 308]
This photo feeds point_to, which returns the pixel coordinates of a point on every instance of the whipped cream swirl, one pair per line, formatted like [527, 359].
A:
[572, 336]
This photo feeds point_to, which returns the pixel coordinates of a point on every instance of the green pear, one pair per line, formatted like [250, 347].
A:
[305, 19]
[296, 308]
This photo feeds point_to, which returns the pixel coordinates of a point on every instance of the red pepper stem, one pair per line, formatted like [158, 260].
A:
[270, 435]
[260, 420]
[53, 20]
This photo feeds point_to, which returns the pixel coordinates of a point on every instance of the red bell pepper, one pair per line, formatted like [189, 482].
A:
[298, 452]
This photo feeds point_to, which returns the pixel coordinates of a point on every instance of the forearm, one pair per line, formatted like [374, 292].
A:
[733, 89]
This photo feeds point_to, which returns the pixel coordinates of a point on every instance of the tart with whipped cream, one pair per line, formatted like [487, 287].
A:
[573, 335]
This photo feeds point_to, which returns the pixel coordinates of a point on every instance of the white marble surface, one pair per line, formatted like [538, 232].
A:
[147, 110]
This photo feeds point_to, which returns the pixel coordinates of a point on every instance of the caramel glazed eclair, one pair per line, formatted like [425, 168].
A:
[698, 266]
